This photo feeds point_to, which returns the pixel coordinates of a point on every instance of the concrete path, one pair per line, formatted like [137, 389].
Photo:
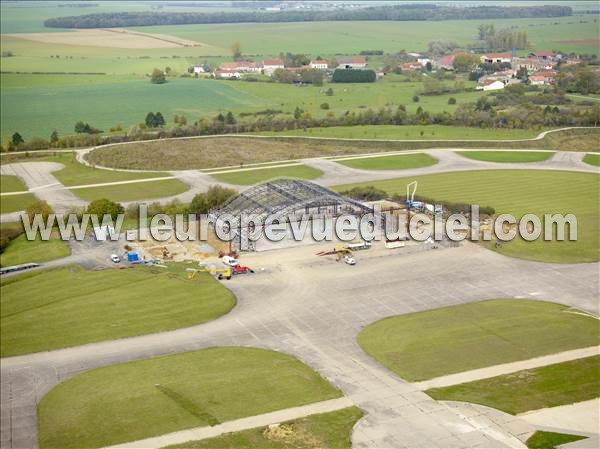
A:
[38, 178]
[581, 417]
[507, 368]
[314, 309]
[201, 433]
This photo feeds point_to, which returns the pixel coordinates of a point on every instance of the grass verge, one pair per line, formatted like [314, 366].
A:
[520, 192]
[549, 440]
[21, 250]
[136, 400]
[424, 345]
[58, 308]
[592, 159]
[397, 162]
[133, 192]
[548, 386]
[330, 430]
[265, 174]
[15, 203]
[507, 156]
[9, 183]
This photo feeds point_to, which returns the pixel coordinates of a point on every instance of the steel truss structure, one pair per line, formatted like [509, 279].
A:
[283, 199]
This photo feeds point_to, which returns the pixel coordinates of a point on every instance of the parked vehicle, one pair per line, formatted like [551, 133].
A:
[115, 258]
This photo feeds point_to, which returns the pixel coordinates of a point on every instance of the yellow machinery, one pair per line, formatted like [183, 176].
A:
[219, 272]
[338, 251]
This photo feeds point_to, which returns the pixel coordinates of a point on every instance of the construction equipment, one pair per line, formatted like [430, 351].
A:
[339, 251]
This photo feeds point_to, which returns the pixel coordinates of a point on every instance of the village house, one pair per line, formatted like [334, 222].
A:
[543, 55]
[319, 64]
[226, 73]
[491, 58]
[198, 69]
[423, 60]
[447, 62]
[543, 78]
[410, 66]
[270, 65]
[532, 64]
[354, 62]
[486, 84]
[241, 66]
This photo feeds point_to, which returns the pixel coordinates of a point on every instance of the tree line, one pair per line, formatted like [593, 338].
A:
[407, 12]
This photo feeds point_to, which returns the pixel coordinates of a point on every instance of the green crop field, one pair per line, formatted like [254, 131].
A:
[10, 183]
[131, 401]
[520, 192]
[592, 159]
[326, 430]
[507, 156]
[424, 345]
[533, 389]
[429, 132]
[133, 192]
[22, 250]
[397, 162]
[70, 306]
[266, 174]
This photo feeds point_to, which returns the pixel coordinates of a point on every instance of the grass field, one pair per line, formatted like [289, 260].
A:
[592, 159]
[550, 440]
[10, 183]
[22, 250]
[266, 174]
[507, 156]
[70, 306]
[453, 339]
[398, 162]
[548, 386]
[429, 132]
[519, 192]
[133, 192]
[327, 430]
[131, 401]
[15, 203]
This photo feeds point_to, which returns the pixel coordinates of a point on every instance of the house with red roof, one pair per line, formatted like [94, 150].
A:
[543, 55]
[270, 65]
[353, 62]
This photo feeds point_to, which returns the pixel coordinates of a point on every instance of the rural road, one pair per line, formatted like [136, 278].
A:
[331, 303]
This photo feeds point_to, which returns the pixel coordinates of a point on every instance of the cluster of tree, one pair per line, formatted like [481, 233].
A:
[504, 39]
[308, 76]
[578, 78]
[158, 77]
[441, 48]
[487, 68]
[465, 62]
[366, 193]
[294, 60]
[353, 76]
[154, 120]
[83, 127]
[403, 12]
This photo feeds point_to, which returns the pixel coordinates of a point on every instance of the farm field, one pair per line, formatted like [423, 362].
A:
[22, 250]
[519, 192]
[477, 335]
[330, 430]
[133, 192]
[58, 308]
[507, 156]
[398, 162]
[548, 386]
[266, 174]
[428, 132]
[129, 401]
[592, 159]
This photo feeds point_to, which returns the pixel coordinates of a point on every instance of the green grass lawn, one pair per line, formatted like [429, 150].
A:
[592, 159]
[10, 183]
[133, 192]
[136, 400]
[22, 250]
[507, 156]
[424, 345]
[549, 440]
[255, 176]
[70, 306]
[15, 203]
[548, 386]
[410, 132]
[397, 162]
[327, 430]
[519, 192]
